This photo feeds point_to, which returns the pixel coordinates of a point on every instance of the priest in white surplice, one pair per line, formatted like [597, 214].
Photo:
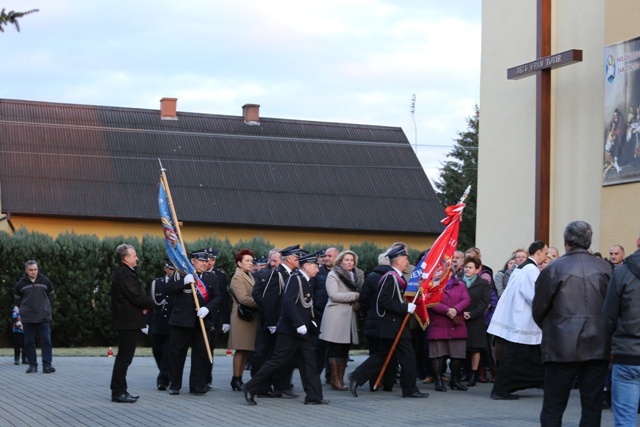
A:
[520, 363]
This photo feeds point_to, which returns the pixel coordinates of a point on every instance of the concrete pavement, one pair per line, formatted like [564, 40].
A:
[78, 395]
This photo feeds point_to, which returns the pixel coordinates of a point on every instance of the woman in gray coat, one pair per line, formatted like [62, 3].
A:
[339, 321]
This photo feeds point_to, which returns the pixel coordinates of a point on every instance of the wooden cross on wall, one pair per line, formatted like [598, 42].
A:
[542, 67]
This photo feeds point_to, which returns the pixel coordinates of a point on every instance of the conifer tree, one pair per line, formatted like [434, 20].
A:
[459, 172]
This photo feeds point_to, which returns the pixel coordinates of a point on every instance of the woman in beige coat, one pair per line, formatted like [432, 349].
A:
[242, 335]
[339, 322]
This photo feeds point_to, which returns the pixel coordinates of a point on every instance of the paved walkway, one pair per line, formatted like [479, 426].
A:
[78, 395]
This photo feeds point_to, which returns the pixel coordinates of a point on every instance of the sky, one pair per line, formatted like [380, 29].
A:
[346, 61]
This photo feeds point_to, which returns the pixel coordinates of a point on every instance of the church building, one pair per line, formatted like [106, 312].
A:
[559, 123]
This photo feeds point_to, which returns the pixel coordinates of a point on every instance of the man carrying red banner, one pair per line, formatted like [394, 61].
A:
[392, 310]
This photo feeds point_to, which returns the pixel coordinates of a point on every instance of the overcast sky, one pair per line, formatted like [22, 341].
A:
[352, 61]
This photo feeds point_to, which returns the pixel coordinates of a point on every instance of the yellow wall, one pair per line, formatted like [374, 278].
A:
[280, 238]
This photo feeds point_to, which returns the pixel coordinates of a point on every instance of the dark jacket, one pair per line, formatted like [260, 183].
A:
[621, 311]
[441, 327]
[223, 313]
[267, 294]
[367, 300]
[320, 296]
[128, 299]
[161, 314]
[480, 294]
[392, 308]
[567, 306]
[297, 295]
[184, 307]
[34, 299]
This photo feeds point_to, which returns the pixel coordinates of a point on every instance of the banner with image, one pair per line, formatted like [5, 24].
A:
[621, 137]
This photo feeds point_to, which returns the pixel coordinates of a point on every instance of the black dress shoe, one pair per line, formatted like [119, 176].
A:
[416, 395]
[174, 391]
[123, 398]
[131, 396]
[199, 390]
[162, 387]
[48, 369]
[506, 396]
[287, 394]
[317, 402]
[32, 369]
[248, 395]
[353, 386]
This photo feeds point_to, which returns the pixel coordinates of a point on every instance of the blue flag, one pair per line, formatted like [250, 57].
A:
[175, 251]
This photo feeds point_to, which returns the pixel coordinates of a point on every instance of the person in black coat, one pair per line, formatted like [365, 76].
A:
[185, 326]
[480, 293]
[391, 309]
[326, 257]
[159, 326]
[267, 293]
[129, 305]
[220, 317]
[368, 310]
[295, 328]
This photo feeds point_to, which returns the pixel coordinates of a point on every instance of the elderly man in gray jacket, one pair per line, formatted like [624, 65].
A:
[567, 306]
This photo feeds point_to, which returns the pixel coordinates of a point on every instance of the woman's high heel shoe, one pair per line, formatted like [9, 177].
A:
[236, 383]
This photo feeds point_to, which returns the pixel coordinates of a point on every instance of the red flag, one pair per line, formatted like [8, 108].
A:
[434, 270]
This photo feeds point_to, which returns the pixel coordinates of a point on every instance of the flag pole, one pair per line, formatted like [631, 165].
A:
[174, 217]
[395, 343]
[406, 317]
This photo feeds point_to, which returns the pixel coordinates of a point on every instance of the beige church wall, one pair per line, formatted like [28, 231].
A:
[282, 238]
[620, 203]
[577, 118]
[506, 159]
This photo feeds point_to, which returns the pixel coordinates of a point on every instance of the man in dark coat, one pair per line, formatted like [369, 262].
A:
[185, 325]
[33, 294]
[221, 317]
[368, 309]
[392, 309]
[267, 293]
[294, 340]
[320, 298]
[129, 305]
[567, 306]
[621, 312]
[159, 327]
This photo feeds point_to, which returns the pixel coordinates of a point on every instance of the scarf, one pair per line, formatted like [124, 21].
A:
[353, 284]
[469, 280]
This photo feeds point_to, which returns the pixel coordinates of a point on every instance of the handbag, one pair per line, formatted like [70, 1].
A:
[246, 313]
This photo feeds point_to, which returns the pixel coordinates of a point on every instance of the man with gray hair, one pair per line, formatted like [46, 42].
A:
[567, 306]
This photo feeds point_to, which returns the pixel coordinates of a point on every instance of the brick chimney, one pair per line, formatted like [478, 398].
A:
[251, 114]
[168, 109]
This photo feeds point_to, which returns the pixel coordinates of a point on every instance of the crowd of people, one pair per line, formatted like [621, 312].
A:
[543, 321]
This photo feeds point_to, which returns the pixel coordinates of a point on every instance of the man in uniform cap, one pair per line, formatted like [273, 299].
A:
[392, 309]
[267, 294]
[294, 342]
[185, 326]
[220, 318]
[159, 325]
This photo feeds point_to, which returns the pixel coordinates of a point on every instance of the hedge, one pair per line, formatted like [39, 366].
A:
[80, 268]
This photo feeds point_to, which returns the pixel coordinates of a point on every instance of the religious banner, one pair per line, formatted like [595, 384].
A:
[621, 137]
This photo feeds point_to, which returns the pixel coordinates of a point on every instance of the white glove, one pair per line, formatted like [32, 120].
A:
[145, 330]
[411, 307]
[272, 329]
[18, 324]
[226, 328]
[302, 330]
[202, 312]
[189, 279]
